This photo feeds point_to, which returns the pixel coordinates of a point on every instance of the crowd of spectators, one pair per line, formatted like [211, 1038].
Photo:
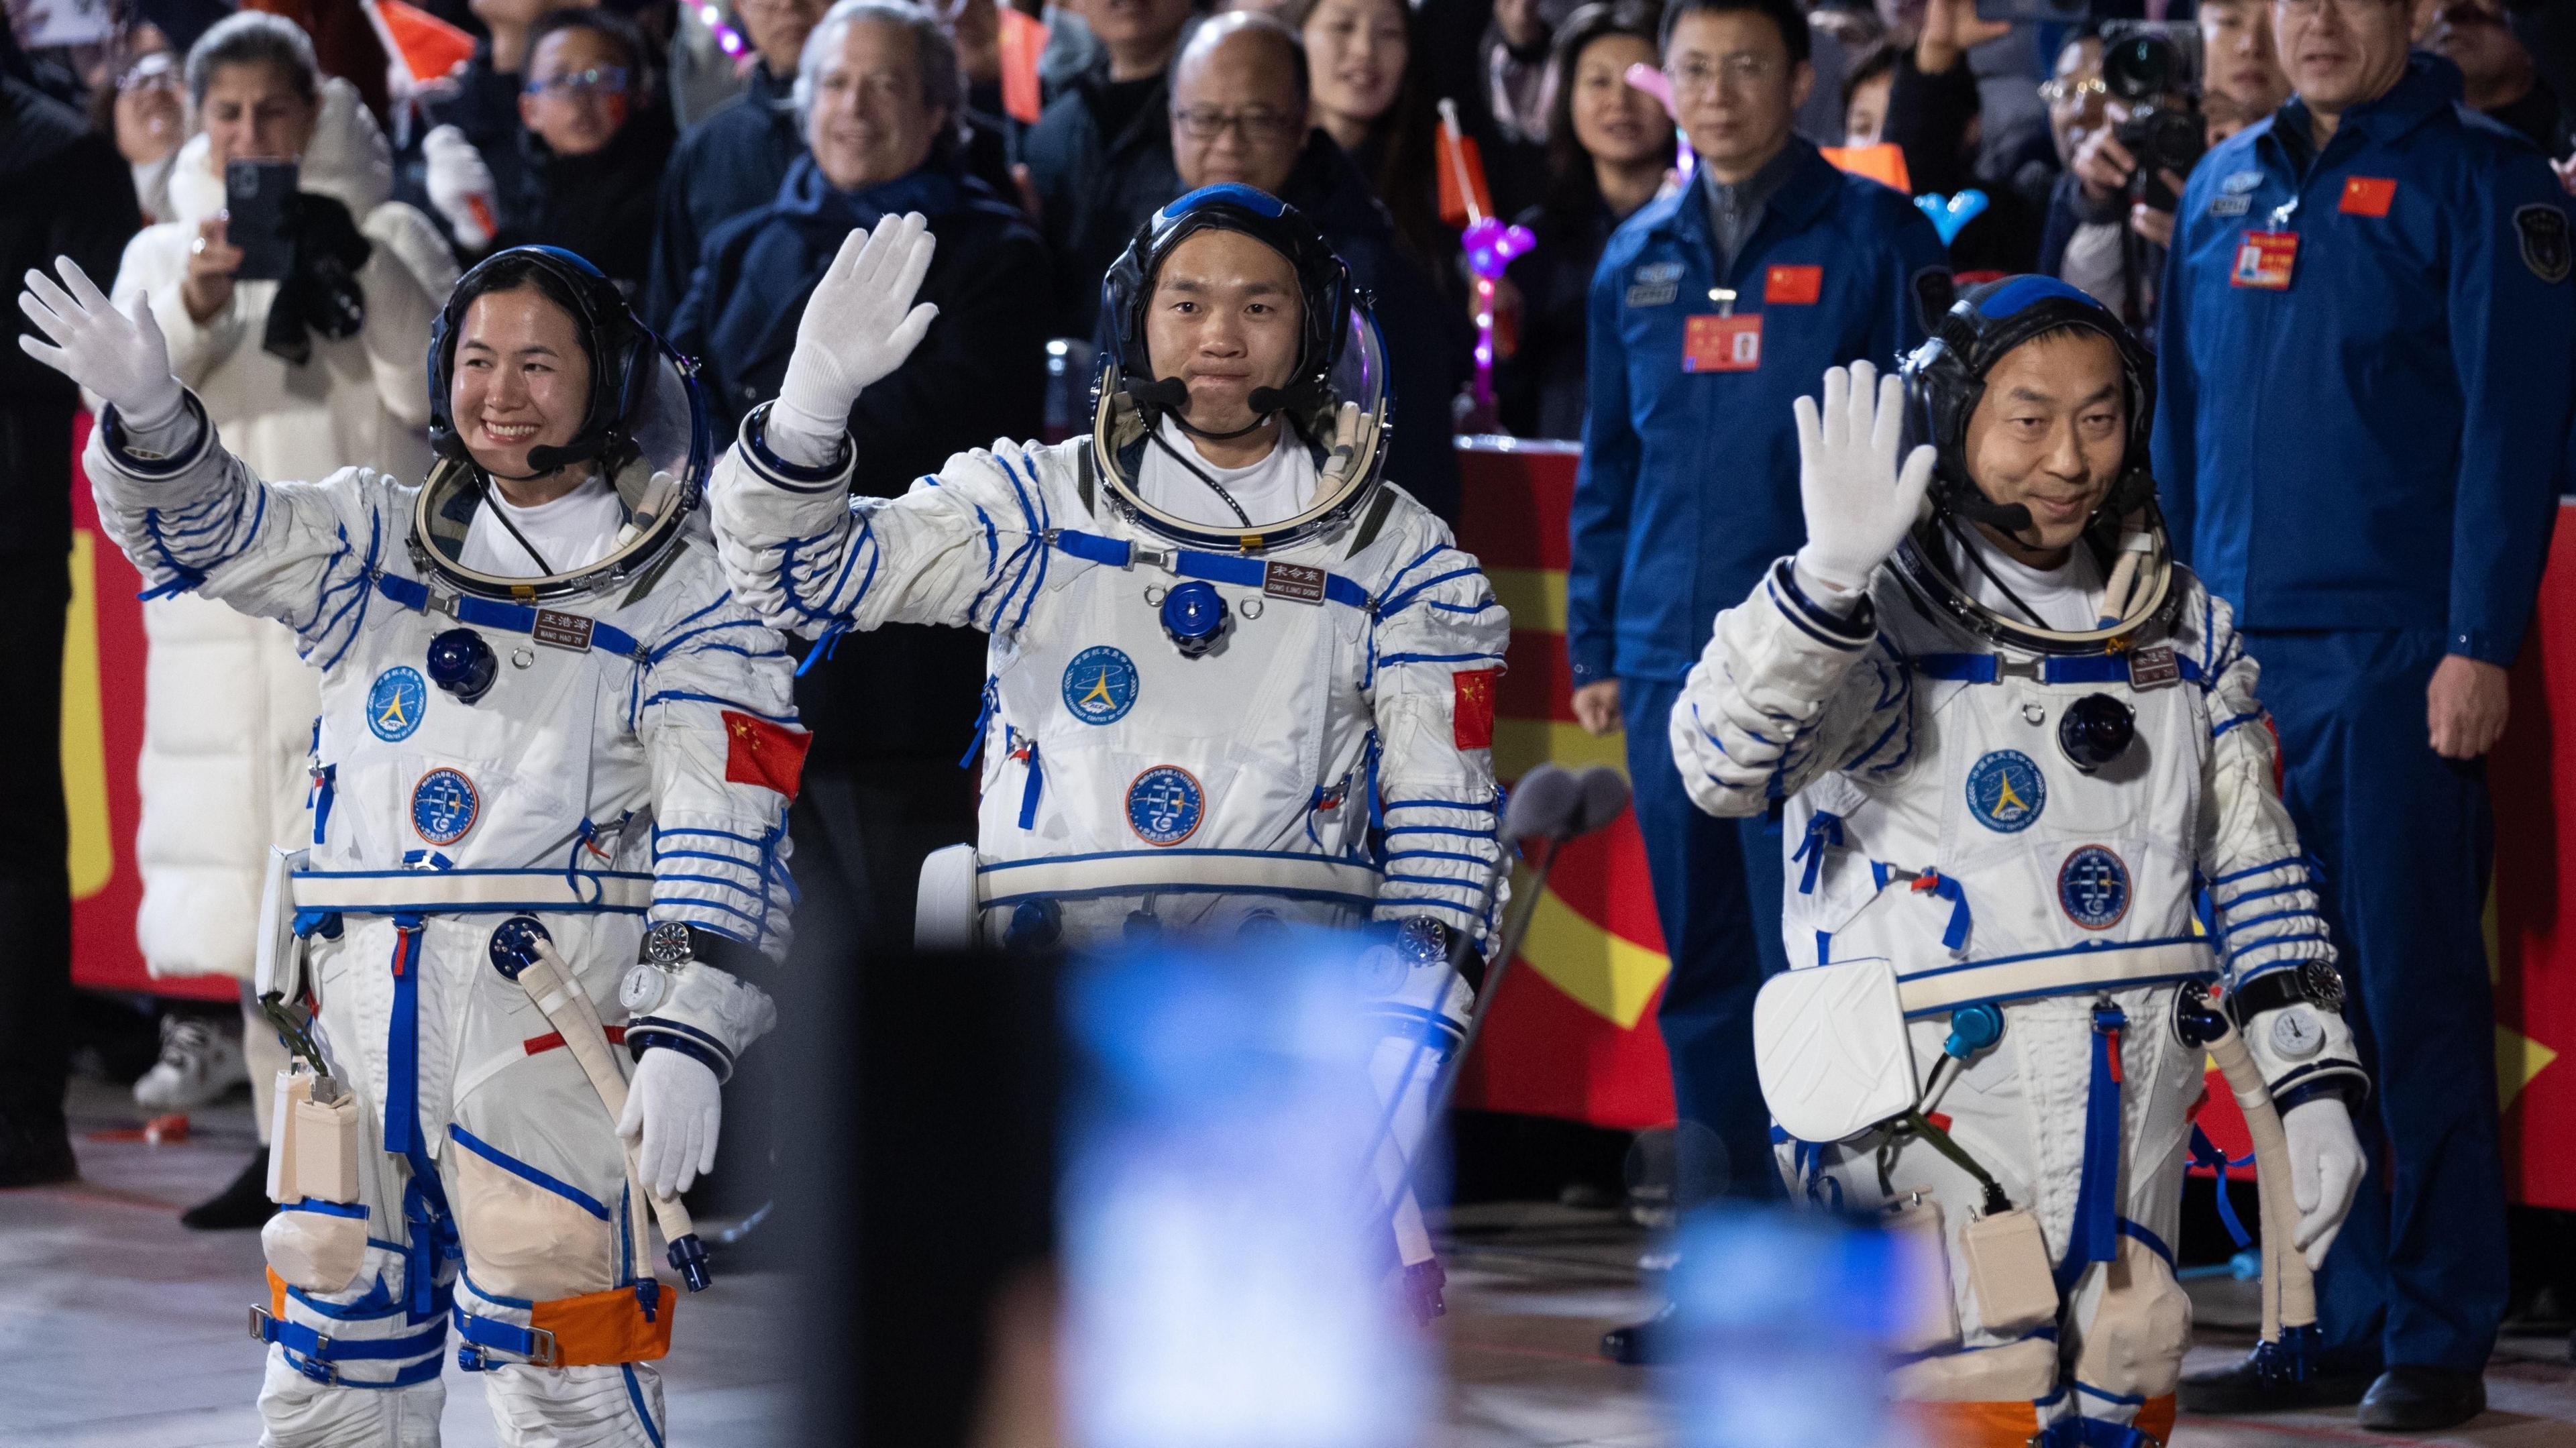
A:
[709, 156]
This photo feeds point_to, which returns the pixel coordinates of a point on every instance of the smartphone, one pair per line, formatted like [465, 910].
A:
[256, 198]
[2047, 12]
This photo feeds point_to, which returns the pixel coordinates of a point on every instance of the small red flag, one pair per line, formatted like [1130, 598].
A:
[1473, 718]
[2367, 195]
[762, 753]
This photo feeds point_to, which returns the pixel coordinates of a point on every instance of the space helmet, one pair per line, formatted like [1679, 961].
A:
[1944, 379]
[645, 431]
[1335, 401]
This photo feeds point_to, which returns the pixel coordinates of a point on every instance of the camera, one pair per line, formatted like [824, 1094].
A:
[2153, 69]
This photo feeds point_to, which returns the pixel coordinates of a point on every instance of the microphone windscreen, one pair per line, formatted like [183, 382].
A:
[1266, 400]
[1170, 394]
[1544, 803]
[1604, 795]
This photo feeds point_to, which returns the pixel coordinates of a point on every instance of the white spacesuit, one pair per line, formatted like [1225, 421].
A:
[572, 754]
[1199, 718]
[2009, 780]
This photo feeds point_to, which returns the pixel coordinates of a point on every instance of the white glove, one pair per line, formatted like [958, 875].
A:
[859, 325]
[1859, 506]
[120, 356]
[460, 185]
[2326, 1165]
[674, 1106]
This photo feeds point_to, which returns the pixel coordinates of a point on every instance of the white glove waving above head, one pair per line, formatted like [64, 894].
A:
[1860, 490]
[858, 326]
[120, 356]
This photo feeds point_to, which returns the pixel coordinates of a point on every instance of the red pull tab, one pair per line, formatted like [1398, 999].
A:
[2113, 1037]
[1940, 1119]
[1927, 882]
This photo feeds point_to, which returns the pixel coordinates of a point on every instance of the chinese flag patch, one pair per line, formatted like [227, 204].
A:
[1794, 285]
[1474, 715]
[759, 752]
[2367, 195]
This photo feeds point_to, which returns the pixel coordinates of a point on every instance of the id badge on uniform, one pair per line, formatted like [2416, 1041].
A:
[2265, 260]
[1712, 343]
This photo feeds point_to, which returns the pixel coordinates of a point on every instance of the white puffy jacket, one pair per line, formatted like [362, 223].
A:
[228, 706]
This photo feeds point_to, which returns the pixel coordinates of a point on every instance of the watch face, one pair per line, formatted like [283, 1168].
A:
[667, 943]
[642, 989]
[2324, 983]
[2297, 1033]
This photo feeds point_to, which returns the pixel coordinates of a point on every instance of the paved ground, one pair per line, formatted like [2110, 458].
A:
[121, 1328]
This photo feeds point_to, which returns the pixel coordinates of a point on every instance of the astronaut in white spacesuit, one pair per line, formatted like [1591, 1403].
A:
[2016, 742]
[543, 719]
[1236, 680]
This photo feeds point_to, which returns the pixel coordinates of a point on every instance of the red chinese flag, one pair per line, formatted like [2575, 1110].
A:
[762, 753]
[2367, 195]
[1474, 716]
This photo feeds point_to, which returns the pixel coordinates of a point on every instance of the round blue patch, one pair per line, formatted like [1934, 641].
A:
[1100, 685]
[1165, 805]
[2093, 888]
[396, 702]
[444, 806]
[2005, 791]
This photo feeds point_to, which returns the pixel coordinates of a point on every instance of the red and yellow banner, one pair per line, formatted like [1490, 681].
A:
[1573, 1033]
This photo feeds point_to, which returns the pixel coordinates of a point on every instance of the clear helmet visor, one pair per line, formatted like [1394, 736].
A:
[658, 460]
[1340, 418]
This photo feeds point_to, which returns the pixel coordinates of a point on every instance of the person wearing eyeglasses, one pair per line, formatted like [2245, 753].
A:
[1713, 307]
[1240, 114]
[596, 136]
[880, 94]
[2364, 405]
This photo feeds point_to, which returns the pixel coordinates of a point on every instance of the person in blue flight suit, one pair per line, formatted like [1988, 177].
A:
[1712, 309]
[2365, 390]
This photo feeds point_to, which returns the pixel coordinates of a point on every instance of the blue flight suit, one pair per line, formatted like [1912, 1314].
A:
[2365, 463]
[1688, 491]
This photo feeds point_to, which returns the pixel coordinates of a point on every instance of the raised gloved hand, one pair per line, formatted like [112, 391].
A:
[859, 325]
[460, 185]
[674, 1107]
[1858, 502]
[2326, 1166]
[120, 356]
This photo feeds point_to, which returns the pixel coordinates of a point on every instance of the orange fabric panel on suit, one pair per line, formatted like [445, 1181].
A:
[2156, 1418]
[607, 1327]
[1973, 1425]
[276, 1294]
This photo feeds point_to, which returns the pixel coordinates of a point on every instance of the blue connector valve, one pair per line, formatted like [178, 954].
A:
[1973, 1029]
[463, 664]
[1194, 618]
[514, 944]
[689, 1259]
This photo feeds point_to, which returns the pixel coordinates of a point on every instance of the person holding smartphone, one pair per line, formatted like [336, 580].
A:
[228, 705]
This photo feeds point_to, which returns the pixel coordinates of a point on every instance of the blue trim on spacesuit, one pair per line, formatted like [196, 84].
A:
[2094, 1234]
[518, 1168]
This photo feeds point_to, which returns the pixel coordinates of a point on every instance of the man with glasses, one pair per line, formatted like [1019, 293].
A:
[1239, 114]
[1712, 309]
[2363, 424]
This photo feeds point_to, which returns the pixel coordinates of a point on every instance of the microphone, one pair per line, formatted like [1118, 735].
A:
[1171, 394]
[1976, 507]
[1605, 794]
[1266, 400]
[1548, 803]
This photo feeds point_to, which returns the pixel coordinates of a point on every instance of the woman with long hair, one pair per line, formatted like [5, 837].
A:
[1370, 91]
[1609, 146]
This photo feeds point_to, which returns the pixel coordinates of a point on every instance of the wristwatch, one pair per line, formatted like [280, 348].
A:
[2312, 982]
[668, 945]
